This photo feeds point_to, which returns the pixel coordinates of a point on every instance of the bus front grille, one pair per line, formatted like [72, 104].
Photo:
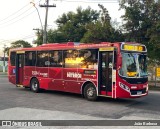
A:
[138, 92]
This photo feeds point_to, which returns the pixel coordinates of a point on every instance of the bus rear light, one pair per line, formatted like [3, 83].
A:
[124, 87]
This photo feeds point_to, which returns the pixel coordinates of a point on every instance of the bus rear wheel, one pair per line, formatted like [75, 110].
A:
[34, 85]
[90, 92]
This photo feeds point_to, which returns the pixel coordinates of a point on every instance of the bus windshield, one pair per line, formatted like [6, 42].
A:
[133, 65]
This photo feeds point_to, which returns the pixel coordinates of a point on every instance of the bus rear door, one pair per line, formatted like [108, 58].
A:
[19, 68]
[106, 71]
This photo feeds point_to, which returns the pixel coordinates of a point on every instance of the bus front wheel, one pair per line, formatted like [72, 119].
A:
[90, 92]
[34, 85]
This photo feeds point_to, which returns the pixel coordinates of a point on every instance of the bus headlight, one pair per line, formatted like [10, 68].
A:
[126, 88]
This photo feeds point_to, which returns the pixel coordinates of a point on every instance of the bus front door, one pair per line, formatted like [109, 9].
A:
[105, 72]
[19, 68]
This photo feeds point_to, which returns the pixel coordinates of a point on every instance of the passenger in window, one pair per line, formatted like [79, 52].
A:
[56, 56]
[30, 56]
[88, 54]
[75, 54]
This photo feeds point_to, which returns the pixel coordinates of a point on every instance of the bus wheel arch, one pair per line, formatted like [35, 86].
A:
[34, 85]
[89, 91]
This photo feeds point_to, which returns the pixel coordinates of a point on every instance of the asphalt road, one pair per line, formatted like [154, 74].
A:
[21, 103]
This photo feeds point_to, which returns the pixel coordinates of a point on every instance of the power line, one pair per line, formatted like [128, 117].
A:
[17, 16]
[18, 19]
[28, 37]
[3, 41]
[91, 1]
[14, 13]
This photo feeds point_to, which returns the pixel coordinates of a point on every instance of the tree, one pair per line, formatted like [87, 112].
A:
[104, 15]
[84, 25]
[55, 36]
[39, 39]
[102, 30]
[142, 23]
[73, 25]
[18, 44]
[98, 32]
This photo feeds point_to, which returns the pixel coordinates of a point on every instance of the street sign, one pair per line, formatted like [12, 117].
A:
[158, 71]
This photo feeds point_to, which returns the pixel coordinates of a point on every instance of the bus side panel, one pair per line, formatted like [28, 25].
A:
[29, 72]
[88, 75]
[42, 75]
[11, 74]
[70, 76]
[56, 82]
[121, 93]
[21, 75]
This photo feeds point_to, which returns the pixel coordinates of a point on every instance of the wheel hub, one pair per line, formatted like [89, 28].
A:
[34, 85]
[90, 92]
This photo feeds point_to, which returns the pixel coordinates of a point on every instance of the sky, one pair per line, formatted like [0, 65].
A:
[18, 17]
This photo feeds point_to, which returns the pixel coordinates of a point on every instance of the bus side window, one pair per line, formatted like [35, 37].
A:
[12, 58]
[71, 58]
[42, 59]
[30, 58]
[55, 58]
[89, 58]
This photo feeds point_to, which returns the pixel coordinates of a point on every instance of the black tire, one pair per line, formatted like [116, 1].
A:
[34, 85]
[90, 92]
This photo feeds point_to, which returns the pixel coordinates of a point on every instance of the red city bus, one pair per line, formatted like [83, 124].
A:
[116, 70]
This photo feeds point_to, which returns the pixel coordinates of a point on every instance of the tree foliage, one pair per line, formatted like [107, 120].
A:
[18, 44]
[39, 39]
[73, 25]
[102, 30]
[84, 25]
[55, 36]
[142, 23]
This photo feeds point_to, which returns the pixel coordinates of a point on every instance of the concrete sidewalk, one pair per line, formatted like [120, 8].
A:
[18, 113]
[1, 73]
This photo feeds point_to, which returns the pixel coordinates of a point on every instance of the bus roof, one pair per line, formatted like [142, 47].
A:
[71, 45]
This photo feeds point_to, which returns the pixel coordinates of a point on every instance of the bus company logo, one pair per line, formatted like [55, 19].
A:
[35, 73]
[6, 123]
[20, 123]
[74, 75]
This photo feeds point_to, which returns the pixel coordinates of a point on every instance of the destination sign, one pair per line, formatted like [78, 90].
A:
[158, 72]
[130, 47]
[106, 49]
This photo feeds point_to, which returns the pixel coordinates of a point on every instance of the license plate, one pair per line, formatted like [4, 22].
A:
[139, 92]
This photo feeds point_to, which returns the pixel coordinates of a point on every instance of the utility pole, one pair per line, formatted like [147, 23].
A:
[39, 33]
[4, 59]
[46, 17]
[38, 30]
